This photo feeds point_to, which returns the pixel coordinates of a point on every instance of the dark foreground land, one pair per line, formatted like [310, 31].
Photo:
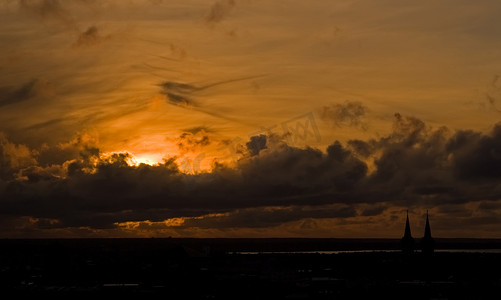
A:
[216, 269]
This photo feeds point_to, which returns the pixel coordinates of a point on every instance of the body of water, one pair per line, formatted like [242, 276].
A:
[367, 251]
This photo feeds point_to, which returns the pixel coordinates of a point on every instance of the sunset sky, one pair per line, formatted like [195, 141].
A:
[249, 118]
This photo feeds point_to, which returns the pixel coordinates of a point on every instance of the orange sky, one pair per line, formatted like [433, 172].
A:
[89, 90]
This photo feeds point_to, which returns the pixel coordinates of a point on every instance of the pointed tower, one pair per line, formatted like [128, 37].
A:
[407, 241]
[427, 242]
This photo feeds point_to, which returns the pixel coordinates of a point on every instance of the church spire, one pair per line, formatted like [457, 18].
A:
[407, 241]
[407, 233]
[427, 230]
[427, 242]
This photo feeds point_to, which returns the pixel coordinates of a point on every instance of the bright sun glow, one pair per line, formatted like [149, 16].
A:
[137, 159]
[149, 159]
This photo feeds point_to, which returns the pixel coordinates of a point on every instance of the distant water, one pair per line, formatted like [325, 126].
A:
[313, 252]
[469, 250]
[367, 251]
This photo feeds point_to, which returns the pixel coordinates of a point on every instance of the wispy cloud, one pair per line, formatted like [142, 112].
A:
[219, 11]
[35, 88]
[187, 95]
[91, 37]
[48, 9]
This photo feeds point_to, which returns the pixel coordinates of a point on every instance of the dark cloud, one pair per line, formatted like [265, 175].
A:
[185, 94]
[179, 93]
[269, 216]
[35, 88]
[361, 148]
[476, 156]
[100, 193]
[219, 11]
[415, 166]
[90, 37]
[372, 209]
[490, 205]
[349, 113]
[256, 144]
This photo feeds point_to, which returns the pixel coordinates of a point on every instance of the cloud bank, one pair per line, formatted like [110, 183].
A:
[272, 184]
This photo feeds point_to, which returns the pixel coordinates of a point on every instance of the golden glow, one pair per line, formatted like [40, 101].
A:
[136, 159]
[192, 163]
[172, 222]
[133, 225]
[148, 159]
[129, 225]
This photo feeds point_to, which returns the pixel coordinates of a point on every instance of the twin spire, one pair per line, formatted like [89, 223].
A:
[407, 233]
[427, 230]
[427, 243]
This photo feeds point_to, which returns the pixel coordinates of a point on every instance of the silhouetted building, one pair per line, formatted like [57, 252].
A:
[427, 242]
[407, 241]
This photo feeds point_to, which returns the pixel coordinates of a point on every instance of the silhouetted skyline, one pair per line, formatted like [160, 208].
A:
[426, 243]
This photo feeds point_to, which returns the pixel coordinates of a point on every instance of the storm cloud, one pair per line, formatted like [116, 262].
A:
[415, 166]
